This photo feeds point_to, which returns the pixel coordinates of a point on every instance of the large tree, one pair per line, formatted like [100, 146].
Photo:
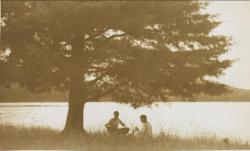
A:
[137, 52]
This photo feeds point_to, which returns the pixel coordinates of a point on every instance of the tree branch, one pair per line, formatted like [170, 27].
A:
[96, 79]
[109, 38]
[106, 92]
[92, 37]
[114, 36]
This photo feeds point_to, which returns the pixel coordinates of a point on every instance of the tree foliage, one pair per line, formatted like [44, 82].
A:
[128, 51]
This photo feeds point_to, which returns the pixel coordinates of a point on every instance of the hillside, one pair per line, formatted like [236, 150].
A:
[234, 94]
[18, 94]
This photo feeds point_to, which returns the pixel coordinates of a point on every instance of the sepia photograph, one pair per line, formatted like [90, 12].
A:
[124, 75]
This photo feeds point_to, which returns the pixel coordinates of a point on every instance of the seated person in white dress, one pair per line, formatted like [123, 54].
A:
[146, 129]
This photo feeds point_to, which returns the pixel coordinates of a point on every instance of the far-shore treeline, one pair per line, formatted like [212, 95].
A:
[15, 93]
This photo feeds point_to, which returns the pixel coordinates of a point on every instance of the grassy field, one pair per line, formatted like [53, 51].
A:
[13, 137]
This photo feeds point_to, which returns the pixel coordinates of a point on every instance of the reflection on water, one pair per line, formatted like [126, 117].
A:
[185, 119]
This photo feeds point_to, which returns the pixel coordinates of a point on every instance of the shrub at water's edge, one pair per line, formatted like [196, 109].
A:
[17, 137]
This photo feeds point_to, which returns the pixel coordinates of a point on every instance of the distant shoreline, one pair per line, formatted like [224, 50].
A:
[55, 101]
[17, 94]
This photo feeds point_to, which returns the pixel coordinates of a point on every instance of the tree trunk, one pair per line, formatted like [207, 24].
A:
[74, 122]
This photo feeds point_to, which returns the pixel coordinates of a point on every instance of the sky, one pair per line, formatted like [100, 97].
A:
[235, 17]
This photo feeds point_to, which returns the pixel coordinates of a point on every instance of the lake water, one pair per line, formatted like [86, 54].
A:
[224, 119]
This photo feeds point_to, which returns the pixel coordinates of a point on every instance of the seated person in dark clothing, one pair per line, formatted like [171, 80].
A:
[113, 125]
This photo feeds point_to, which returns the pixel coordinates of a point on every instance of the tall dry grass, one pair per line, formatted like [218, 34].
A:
[16, 137]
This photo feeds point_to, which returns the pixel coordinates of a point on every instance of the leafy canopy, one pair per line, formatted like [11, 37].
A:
[129, 51]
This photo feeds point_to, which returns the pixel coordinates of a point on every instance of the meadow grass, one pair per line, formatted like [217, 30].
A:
[18, 137]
